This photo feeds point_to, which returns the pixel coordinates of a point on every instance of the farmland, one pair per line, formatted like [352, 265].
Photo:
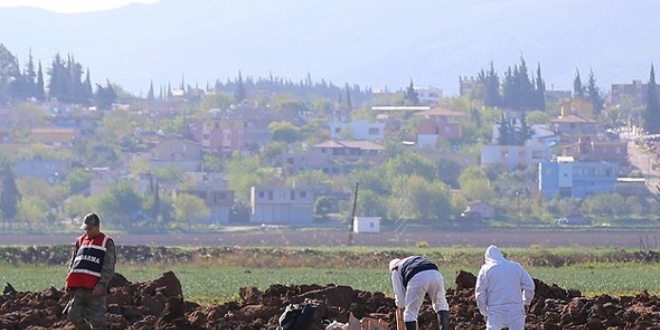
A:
[277, 267]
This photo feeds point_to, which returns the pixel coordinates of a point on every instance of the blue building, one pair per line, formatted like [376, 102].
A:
[568, 178]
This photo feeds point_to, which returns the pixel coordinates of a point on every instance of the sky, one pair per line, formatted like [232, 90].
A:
[71, 6]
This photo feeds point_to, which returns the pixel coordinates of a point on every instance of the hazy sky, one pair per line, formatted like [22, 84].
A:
[71, 6]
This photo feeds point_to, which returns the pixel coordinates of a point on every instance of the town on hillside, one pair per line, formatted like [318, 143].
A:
[505, 152]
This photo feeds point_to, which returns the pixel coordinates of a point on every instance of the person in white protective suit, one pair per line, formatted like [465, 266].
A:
[504, 291]
[412, 278]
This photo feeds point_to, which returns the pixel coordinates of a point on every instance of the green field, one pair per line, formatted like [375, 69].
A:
[208, 282]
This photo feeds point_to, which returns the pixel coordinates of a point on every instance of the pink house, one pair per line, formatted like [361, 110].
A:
[438, 124]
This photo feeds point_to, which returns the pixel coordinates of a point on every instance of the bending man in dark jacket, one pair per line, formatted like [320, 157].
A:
[412, 278]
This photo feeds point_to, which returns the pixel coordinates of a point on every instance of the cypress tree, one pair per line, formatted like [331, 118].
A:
[87, 92]
[652, 113]
[150, 94]
[594, 95]
[505, 133]
[540, 90]
[239, 93]
[578, 89]
[40, 93]
[411, 95]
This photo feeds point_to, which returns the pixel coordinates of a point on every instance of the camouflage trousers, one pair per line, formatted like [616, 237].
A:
[87, 311]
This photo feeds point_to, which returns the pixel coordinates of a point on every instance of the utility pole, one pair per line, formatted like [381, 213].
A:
[352, 226]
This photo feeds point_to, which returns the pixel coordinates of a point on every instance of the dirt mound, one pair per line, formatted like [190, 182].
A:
[160, 305]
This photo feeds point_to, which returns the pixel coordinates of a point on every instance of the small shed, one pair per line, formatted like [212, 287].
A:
[366, 225]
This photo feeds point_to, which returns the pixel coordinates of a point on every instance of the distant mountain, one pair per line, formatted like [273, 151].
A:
[367, 42]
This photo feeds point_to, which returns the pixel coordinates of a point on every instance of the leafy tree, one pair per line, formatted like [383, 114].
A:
[119, 204]
[218, 100]
[410, 163]
[605, 206]
[76, 206]
[370, 203]
[537, 117]
[188, 208]
[213, 162]
[652, 113]
[449, 171]
[78, 180]
[429, 200]
[105, 96]
[244, 173]
[475, 185]
[322, 208]
[9, 194]
[371, 180]
[33, 211]
[10, 74]
[284, 131]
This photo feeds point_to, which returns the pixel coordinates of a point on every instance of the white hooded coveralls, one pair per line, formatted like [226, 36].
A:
[502, 291]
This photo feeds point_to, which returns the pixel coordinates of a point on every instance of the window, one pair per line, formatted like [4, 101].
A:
[261, 194]
[219, 196]
[374, 131]
[292, 195]
[270, 195]
[303, 194]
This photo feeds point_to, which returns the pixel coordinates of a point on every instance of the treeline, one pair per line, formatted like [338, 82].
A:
[66, 82]
[305, 89]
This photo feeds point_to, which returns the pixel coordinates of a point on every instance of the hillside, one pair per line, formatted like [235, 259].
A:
[373, 43]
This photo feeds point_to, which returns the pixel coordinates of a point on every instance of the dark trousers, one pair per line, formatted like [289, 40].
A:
[87, 311]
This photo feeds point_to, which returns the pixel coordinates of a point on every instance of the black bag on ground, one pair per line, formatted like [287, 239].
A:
[298, 316]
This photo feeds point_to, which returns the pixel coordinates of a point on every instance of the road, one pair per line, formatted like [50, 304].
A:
[643, 160]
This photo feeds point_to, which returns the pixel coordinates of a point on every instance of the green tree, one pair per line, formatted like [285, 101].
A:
[578, 88]
[491, 87]
[410, 163]
[217, 100]
[40, 92]
[78, 180]
[284, 131]
[76, 206]
[411, 96]
[33, 212]
[9, 194]
[429, 200]
[506, 132]
[240, 94]
[371, 204]
[10, 74]
[537, 117]
[119, 204]
[652, 113]
[540, 90]
[475, 185]
[105, 96]
[188, 208]
[244, 173]
[594, 95]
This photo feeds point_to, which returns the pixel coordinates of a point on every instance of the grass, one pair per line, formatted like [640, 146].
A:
[209, 282]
